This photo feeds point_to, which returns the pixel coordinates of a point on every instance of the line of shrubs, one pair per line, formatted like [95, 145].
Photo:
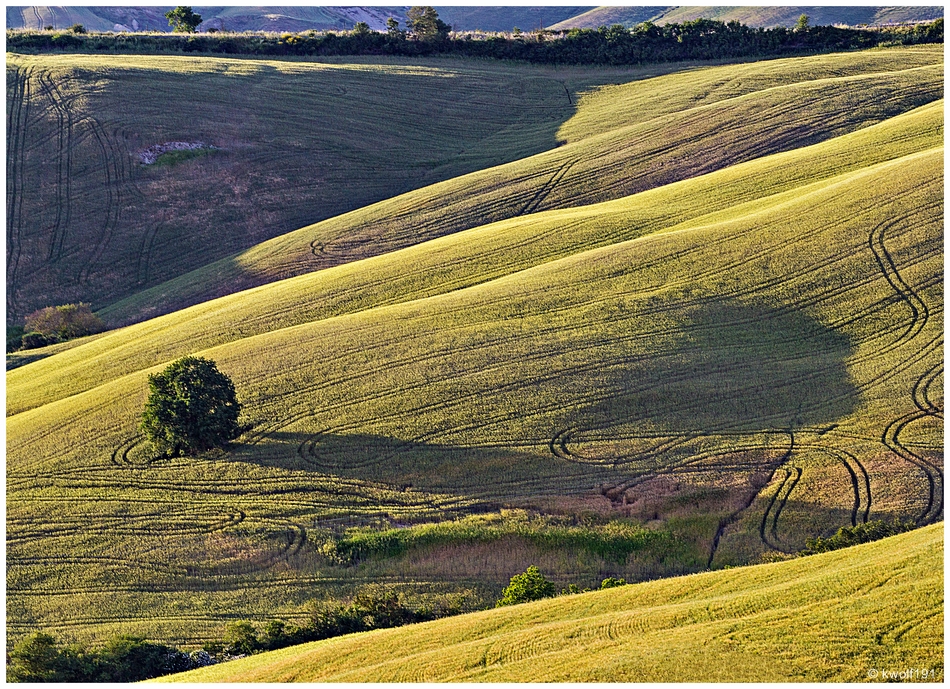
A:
[39, 657]
[701, 39]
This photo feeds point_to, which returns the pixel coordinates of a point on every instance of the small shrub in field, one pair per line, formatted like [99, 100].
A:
[56, 323]
[191, 407]
[77, 28]
[528, 586]
[610, 583]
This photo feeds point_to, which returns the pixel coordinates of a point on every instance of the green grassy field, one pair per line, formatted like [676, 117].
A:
[621, 140]
[829, 617]
[695, 375]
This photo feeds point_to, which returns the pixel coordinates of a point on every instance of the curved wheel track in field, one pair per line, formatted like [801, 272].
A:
[919, 311]
[18, 114]
[732, 518]
[64, 117]
[293, 538]
[890, 436]
[177, 521]
[124, 455]
[789, 482]
[115, 169]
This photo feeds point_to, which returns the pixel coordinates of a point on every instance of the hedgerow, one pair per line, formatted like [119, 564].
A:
[701, 39]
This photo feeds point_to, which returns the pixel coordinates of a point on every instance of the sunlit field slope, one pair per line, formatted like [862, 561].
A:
[841, 616]
[294, 142]
[738, 370]
[461, 260]
[620, 140]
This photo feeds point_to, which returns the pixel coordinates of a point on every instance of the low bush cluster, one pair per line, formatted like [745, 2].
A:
[54, 324]
[614, 541]
[853, 535]
[39, 658]
[374, 606]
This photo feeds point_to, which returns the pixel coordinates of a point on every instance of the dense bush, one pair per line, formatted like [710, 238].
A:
[57, 323]
[528, 586]
[853, 535]
[38, 658]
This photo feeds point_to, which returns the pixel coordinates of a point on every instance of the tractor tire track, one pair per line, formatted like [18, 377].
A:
[114, 167]
[732, 518]
[17, 118]
[64, 167]
[542, 193]
[919, 311]
[792, 477]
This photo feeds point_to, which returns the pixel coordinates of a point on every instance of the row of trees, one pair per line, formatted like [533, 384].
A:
[701, 39]
[39, 658]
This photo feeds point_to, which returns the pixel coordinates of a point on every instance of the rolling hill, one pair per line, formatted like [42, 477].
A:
[288, 140]
[620, 140]
[461, 18]
[767, 17]
[735, 358]
[853, 615]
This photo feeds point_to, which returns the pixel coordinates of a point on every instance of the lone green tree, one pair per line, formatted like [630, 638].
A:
[528, 586]
[183, 20]
[191, 407]
[424, 22]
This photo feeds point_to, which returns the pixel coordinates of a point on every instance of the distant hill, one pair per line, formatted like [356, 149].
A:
[752, 16]
[506, 18]
[461, 18]
[285, 18]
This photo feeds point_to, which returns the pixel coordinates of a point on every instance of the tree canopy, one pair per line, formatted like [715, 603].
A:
[424, 22]
[183, 20]
[528, 586]
[191, 407]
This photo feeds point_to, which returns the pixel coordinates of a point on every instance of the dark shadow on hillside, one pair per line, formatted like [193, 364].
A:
[734, 367]
[298, 146]
[485, 474]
